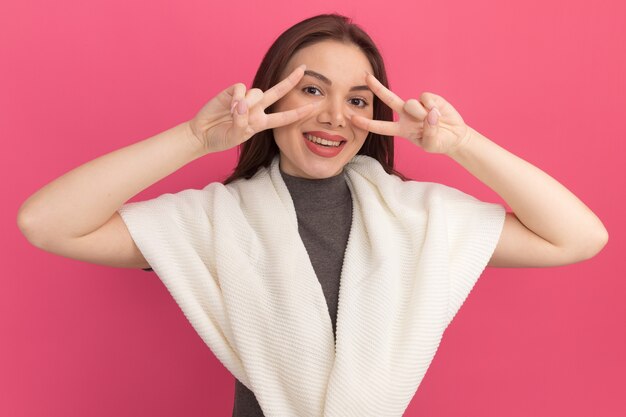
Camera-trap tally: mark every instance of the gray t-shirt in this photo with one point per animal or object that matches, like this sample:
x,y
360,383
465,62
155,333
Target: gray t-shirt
x,y
324,211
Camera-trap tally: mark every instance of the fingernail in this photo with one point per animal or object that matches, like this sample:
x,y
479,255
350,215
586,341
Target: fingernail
x,y
232,108
242,107
433,117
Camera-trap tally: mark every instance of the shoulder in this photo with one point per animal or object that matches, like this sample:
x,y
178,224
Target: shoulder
x,y
366,170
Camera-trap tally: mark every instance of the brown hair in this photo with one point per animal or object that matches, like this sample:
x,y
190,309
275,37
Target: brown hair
x,y
260,149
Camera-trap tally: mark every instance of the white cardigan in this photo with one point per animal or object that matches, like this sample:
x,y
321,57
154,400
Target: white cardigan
x,y
233,260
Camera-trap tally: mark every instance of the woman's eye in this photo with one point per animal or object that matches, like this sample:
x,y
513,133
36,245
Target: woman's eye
x,y
311,90
359,102
356,101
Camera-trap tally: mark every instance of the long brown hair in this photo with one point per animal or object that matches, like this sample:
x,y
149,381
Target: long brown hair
x,y
260,149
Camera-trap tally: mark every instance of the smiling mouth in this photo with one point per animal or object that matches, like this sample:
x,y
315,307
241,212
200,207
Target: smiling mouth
x,y
323,142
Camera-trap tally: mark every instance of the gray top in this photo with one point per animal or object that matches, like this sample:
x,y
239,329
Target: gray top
x,y
324,211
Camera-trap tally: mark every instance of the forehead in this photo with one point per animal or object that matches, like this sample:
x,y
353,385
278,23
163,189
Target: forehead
x,y
341,62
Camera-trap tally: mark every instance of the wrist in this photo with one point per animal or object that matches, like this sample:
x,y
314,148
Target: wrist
x,y
464,144
193,139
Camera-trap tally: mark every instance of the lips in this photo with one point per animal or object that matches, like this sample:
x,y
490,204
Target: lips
x,y
327,136
324,151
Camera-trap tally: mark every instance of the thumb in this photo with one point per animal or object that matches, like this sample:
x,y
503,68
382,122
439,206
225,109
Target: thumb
x,y
431,127
240,120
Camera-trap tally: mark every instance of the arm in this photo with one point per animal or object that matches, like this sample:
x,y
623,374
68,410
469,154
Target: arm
x,y
76,214
549,225
83,199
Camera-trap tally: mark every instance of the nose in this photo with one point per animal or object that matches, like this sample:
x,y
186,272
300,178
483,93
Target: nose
x,y
333,112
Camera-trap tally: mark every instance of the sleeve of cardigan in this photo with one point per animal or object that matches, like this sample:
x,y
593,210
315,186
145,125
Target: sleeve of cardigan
x,y
473,230
171,230
176,235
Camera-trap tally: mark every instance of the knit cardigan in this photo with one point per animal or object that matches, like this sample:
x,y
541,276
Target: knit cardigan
x,y
231,257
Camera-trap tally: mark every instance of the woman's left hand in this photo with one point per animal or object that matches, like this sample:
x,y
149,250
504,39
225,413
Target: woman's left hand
x,y
431,123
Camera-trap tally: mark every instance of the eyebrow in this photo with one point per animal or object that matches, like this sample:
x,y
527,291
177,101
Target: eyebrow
x,y
329,82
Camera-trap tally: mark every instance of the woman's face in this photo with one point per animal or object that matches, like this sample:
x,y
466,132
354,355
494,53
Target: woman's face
x,y
334,77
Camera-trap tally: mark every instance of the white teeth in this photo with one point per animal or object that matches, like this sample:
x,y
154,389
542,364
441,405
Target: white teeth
x,y
322,141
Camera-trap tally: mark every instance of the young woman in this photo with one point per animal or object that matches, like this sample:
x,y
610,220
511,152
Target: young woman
x,y
321,277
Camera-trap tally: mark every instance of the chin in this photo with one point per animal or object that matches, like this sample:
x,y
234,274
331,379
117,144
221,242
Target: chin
x,y
302,159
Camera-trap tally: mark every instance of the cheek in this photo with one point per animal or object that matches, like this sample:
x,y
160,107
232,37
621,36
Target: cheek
x,y
282,135
279,133
368,113
287,102
363,135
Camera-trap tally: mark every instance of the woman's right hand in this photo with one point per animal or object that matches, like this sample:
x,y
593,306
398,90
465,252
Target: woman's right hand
x,y
234,115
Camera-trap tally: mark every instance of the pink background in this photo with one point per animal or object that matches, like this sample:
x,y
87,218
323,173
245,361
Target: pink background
x,y
544,79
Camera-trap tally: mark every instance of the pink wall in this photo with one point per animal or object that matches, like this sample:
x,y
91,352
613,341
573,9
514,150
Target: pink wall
x,y
544,79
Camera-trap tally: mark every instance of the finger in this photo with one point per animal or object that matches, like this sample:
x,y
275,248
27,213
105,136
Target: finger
x,y
386,95
273,94
225,97
289,116
431,130
377,126
430,100
239,91
253,96
240,119
433,116
415,109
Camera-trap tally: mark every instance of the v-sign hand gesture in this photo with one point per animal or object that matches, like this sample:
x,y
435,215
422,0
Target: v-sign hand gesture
x,y
234,115
431,123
